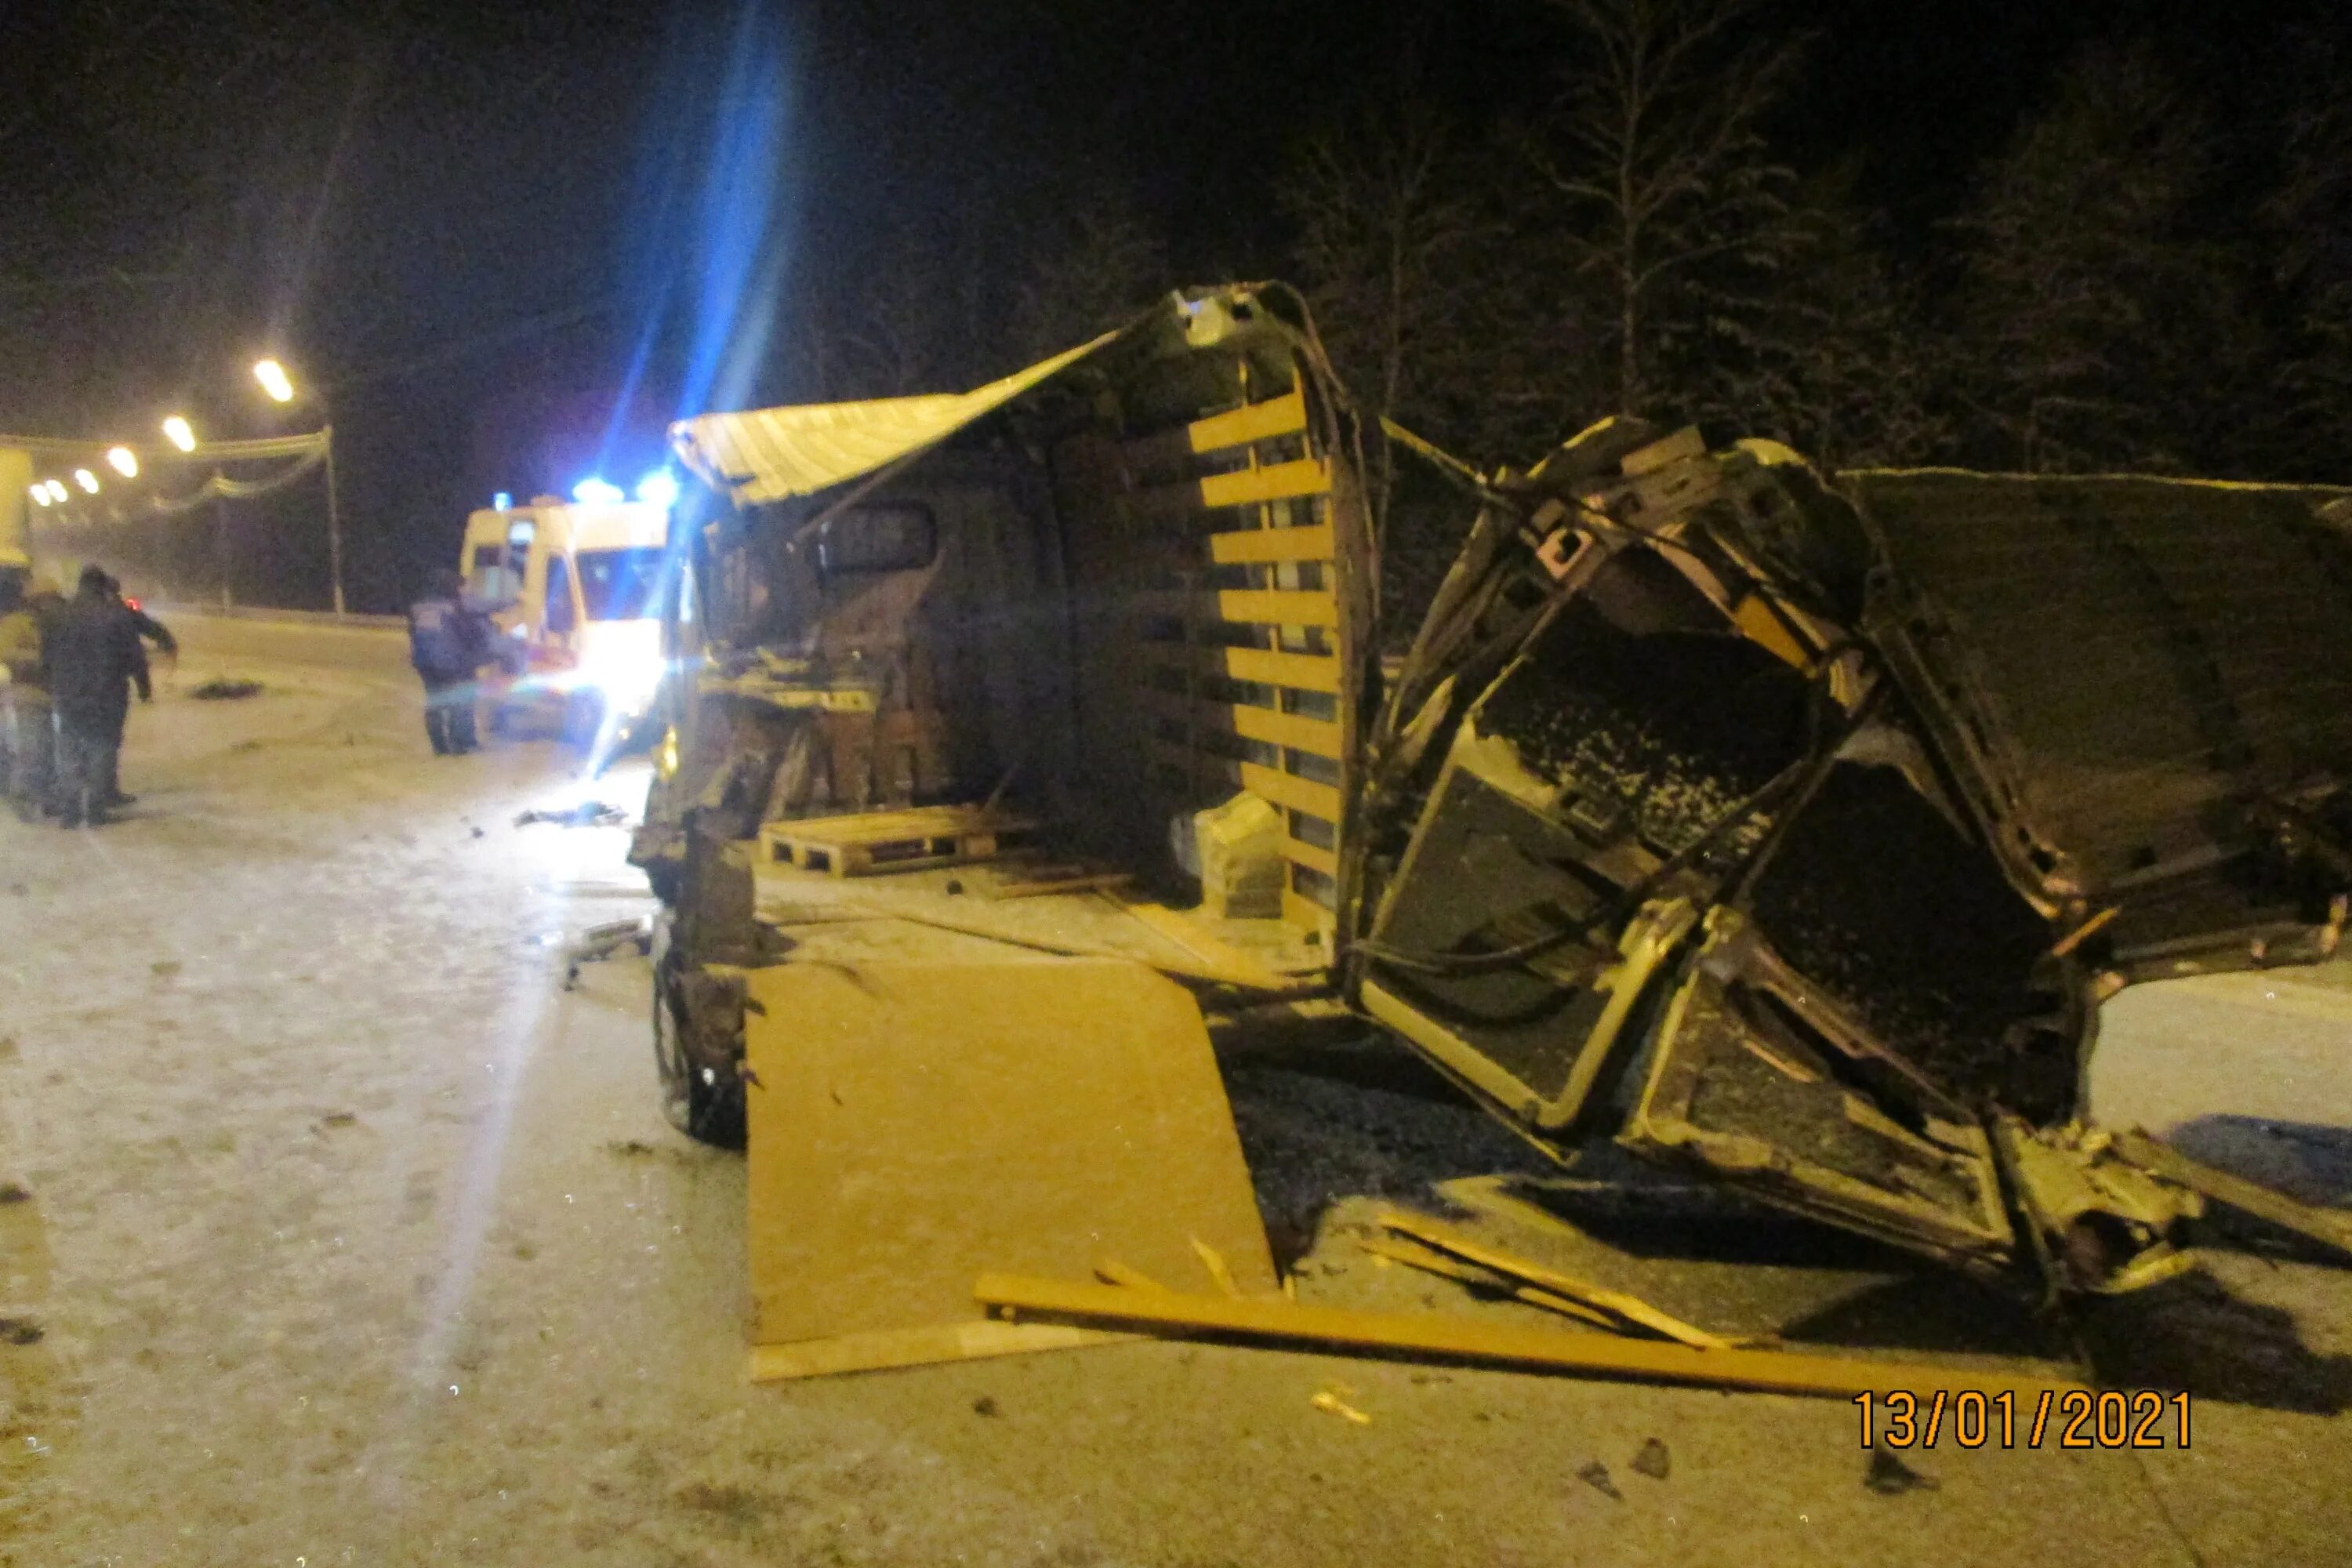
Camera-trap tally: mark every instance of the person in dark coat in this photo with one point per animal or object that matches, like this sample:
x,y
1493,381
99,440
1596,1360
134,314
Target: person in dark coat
x,y
94,657
447,641
150,630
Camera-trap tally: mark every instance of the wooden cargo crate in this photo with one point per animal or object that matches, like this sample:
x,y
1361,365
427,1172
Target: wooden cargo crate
x,y
871,843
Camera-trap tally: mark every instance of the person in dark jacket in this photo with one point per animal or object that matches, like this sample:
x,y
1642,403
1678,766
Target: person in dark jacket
x,y
447,642
149,629
94,658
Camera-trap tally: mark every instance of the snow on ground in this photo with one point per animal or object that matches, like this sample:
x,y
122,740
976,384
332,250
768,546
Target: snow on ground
x,y
352,1239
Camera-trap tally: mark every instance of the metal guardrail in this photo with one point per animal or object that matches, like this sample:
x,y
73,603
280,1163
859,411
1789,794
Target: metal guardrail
x,y
261,614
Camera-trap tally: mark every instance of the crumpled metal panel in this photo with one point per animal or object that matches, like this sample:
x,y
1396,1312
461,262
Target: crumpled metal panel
x,y
773,454
2137,652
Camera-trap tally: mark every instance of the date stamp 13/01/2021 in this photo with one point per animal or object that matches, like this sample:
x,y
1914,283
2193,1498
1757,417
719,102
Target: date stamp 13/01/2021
x,y
2073,1418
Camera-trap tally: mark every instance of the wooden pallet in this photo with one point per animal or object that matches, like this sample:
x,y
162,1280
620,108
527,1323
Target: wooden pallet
x,y
871,843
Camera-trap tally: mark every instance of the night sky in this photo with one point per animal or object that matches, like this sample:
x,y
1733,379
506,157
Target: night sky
x,y
485,233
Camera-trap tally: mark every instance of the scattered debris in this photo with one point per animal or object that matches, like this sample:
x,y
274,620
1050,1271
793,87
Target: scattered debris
x,y
602,942
1889,1476
1112,1271
985,1405
1596,1475
477,833
587,813
19,1332
1213,1261
1035,880
1429,1260
1632,1309
340,1119
1652,1461
632,1148
15,1193
221,688
1330,1404
165,968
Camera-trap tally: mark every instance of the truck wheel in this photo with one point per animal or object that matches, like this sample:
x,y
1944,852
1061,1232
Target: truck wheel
x,y
703,1104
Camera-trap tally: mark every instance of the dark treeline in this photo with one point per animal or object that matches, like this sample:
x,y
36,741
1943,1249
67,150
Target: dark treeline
x,y
2152,271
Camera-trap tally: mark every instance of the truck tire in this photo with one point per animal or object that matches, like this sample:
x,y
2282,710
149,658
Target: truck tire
x,y
699,1102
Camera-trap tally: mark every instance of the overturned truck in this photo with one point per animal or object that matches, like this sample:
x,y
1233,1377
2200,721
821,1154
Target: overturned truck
x,y
1786,825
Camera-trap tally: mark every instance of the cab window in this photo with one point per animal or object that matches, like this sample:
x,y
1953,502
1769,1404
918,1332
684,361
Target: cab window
x,y
559,595
877,539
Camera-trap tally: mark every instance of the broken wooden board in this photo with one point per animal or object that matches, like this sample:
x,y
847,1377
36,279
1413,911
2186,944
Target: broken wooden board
x,y
924,1346
1275,1318
1632,1309
912,1124
1429,1260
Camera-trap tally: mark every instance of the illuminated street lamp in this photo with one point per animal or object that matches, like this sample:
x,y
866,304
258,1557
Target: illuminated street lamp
x,y
87,480
123,461
280,385
57,489
41,494
180,433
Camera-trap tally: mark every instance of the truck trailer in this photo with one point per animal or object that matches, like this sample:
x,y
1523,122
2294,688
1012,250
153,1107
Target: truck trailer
x,y
1788,826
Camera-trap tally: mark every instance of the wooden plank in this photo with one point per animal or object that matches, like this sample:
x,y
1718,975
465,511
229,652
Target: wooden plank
x,y
1632,1309
1252,422
1243,487
1428,1259
1082,882
926,1346
1304,912
896,1114
885,827
1313,857
1275,481
1255,606
1289,789
1260,667
1213,951
1278,607
1318,737
1455,1337
1250,546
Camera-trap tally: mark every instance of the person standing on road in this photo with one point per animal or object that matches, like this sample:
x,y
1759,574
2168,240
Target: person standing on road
x,y
26,734
447,641
149,629
94,658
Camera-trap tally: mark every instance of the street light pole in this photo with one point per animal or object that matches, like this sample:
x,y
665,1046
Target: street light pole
x,y
334,522
220,546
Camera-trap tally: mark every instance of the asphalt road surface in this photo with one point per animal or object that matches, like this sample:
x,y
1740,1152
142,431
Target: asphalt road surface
x,y
347,1235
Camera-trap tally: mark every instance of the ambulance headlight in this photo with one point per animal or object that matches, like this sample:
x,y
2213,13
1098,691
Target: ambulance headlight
x,y
627,679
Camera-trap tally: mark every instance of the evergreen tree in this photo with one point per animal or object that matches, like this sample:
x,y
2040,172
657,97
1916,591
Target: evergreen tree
x,y
2104,323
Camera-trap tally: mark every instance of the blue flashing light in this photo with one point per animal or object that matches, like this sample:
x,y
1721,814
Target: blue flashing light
x,y
595,492
659,488
502,501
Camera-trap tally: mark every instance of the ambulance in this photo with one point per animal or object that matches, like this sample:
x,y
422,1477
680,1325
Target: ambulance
x,y
574,589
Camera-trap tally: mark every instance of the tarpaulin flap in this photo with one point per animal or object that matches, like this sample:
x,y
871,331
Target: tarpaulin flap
x,y
772,454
